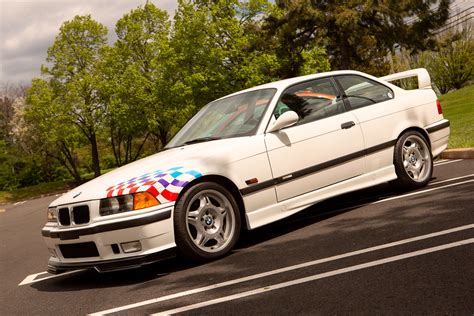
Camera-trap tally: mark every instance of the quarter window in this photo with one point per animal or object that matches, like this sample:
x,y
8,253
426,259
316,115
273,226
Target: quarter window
x,y
362,91
311,100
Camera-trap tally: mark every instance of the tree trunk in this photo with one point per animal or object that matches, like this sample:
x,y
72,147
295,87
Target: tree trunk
x,y
140,148
116,151
71,168
128,149
345,60
95,155
163,137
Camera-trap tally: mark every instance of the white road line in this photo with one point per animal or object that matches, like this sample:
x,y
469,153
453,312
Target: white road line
x,y
452,179
317,277
282,270
448,162
19,203
29,280
439,161
399,196
419,192
32,278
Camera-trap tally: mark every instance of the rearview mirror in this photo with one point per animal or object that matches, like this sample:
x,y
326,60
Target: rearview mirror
x,y
286,119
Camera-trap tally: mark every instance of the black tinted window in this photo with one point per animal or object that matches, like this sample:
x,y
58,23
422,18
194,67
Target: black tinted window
x,y
362,91
311,100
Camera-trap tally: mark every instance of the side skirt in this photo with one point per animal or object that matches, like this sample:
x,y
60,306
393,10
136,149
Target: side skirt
x,y
291,206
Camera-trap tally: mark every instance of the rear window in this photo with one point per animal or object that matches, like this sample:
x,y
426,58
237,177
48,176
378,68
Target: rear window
x,y
362,91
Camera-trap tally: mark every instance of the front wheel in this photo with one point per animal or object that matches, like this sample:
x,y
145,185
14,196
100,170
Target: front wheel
x,y
413,161
206,221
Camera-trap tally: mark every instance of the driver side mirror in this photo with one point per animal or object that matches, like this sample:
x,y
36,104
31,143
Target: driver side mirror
x,y
286,119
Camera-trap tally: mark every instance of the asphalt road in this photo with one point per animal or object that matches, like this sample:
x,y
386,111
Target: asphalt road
x,y
371,251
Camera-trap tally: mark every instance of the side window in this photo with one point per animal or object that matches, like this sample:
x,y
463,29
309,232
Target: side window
x,y
362,91
311,100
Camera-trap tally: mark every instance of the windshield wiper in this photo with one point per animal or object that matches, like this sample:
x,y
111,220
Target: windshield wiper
x,y
201,140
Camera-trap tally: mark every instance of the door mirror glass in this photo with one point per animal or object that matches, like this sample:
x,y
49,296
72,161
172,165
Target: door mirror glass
x,y
286,119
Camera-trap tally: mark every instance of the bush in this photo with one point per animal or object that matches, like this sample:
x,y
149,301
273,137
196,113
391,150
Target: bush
x,y
18,172
451,65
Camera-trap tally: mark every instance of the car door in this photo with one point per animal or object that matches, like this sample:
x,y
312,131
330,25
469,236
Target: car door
x,y
324,147
379,115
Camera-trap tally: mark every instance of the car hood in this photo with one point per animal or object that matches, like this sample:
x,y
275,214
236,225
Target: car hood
x,y
199,159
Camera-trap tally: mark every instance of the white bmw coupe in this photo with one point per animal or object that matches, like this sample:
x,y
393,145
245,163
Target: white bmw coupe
x,y
246,160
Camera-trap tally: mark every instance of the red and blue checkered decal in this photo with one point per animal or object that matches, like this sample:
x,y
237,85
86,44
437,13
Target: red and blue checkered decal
x,y
165,185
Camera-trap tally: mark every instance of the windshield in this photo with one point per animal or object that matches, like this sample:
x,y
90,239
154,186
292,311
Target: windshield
x,y
233,116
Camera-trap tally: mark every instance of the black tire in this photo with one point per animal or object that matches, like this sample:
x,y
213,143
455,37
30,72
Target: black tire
x,y
413,161
206,222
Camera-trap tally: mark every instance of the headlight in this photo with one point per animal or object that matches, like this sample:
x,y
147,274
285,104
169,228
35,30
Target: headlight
x,y
52,216
125,203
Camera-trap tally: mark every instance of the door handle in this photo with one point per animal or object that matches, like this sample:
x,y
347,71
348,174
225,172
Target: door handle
x,y
347,125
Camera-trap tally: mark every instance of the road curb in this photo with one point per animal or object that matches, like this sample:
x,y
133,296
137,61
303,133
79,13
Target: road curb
x,y
458,153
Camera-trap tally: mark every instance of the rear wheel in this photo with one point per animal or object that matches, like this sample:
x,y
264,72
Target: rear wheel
x,y
207,222
413,161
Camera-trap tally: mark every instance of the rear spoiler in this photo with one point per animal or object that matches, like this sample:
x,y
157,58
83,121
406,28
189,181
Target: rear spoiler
x,y
424,80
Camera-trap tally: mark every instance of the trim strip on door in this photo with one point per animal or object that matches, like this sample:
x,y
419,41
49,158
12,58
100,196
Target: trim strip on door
x,y
316,168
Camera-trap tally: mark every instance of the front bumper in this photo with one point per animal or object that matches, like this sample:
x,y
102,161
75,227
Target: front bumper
x,y
55,267
100,245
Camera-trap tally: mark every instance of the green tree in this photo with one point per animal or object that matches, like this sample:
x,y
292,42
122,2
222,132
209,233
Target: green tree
x,y
130,76
143,93
48,127
74,77
18,165
206,55
6,115
8,174
357,34
450,63
220,57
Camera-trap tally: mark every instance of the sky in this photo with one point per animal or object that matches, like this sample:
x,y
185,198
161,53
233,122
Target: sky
x,y
28,28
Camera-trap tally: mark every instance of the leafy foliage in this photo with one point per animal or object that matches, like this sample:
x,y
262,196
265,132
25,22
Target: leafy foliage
x,y
357,34
450,63
219,58
19,166
74,77
100,106
50,130
129,76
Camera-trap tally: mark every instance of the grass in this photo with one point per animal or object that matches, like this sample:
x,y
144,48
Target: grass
x,y
458,108
41,189
35,191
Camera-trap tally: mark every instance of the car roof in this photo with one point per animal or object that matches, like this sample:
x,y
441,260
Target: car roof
x,y
281,84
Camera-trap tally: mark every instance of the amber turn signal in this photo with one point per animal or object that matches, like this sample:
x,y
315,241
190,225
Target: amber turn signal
x,y
144,200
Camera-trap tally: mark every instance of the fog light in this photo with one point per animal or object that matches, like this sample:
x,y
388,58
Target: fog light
x,y
132,246
52,252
